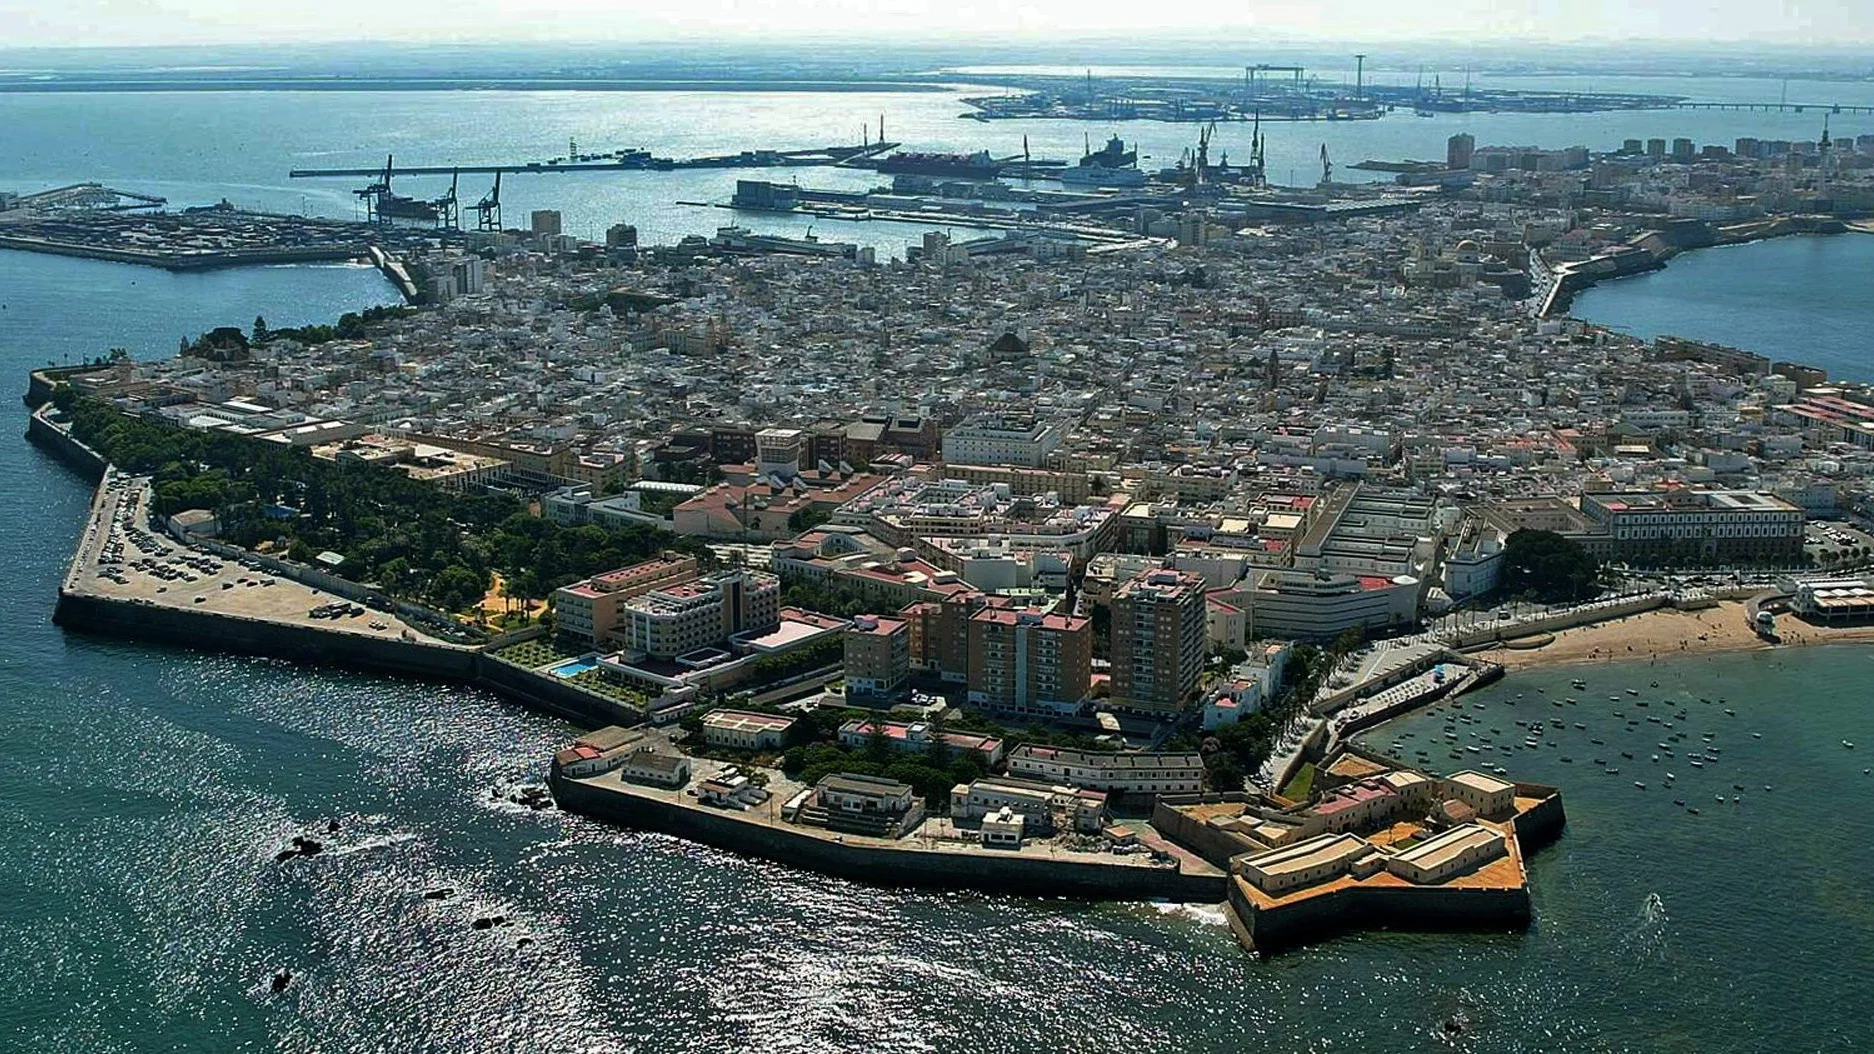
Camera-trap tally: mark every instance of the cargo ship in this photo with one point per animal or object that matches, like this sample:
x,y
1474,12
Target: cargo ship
x,y
978,165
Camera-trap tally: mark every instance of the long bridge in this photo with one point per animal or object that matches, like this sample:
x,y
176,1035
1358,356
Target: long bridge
x,y
1775,107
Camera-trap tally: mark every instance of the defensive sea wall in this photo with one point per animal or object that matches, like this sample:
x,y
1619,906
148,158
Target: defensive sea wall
x,y
1650,252
1215,846
1542,823
457,664
1442,908
61,444
252,636
897,865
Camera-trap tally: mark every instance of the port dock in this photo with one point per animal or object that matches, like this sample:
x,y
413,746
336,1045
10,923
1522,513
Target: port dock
x,y
625,161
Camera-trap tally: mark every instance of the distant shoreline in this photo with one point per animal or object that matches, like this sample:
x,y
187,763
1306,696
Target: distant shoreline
x,y
464,84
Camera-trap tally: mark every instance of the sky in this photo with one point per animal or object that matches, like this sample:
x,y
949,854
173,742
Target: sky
x,y
137,22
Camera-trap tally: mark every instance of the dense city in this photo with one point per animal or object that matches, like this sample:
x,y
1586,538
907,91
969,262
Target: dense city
x,y
1068,559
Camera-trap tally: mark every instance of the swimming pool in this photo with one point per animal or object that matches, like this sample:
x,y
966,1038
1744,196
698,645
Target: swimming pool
x,y
573,668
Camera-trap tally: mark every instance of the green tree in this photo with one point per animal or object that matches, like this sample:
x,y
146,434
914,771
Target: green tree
x,y
1547,567
457,587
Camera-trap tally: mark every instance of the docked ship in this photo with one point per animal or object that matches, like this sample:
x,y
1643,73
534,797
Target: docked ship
x,y
741,240
1111,166
978,165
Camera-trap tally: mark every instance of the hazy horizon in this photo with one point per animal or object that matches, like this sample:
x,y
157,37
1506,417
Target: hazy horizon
x,y
1831,24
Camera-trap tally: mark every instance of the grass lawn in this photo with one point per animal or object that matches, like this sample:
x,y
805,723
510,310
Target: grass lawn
x,y
596,681
1303,781
533,654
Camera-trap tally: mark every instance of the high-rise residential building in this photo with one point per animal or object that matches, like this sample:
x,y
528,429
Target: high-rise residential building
x,y
1656,148
545,221
1158,641
1458,150
878,657
621,236
940,634
1684,149
1024,662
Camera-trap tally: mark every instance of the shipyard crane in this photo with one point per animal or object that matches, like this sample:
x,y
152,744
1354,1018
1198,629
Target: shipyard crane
x,y
373,193
1327,167
488,209
1257,158
447,206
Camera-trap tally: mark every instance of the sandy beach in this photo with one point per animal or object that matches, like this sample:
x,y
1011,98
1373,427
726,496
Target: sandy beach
x,y
1664,633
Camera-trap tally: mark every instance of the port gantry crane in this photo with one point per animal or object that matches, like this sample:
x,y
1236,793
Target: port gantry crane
x,y
488,209
447,207
384,205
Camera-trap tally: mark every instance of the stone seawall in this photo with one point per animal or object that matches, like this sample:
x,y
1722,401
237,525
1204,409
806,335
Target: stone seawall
x,y
171,261
247,636
1542,824
1216,847
422,659
548,693
59,443
1393,908
897,866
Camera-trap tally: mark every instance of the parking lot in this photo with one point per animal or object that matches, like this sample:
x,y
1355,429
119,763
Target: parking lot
x,y
122,556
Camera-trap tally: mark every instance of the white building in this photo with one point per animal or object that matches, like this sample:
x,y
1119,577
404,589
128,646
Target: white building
x,y
1475,564
671,620
1124,773
1002,829
655,768
1323,605
745,729
991,440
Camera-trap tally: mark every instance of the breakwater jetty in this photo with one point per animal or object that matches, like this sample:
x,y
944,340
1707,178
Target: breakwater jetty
x,y
205,239
622,161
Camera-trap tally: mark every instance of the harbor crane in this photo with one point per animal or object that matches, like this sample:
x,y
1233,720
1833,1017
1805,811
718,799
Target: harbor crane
x,y
448,208
1327,167
1258,159
385,206
488,209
